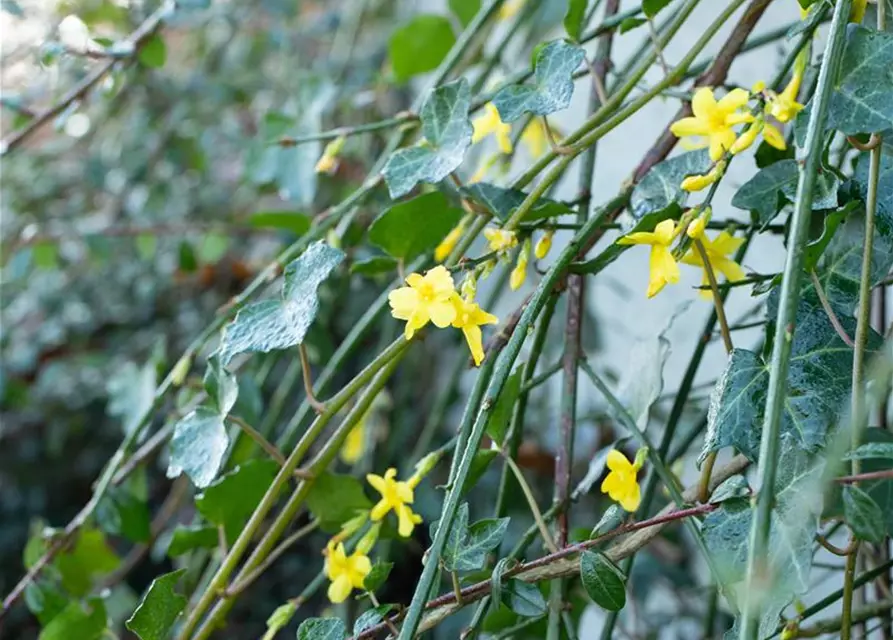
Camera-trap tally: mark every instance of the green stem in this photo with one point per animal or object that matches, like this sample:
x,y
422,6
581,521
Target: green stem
x,y
787,317
345,132
531,501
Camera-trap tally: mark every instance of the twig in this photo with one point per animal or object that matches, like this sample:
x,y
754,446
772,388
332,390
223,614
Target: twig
x,y
833,548
534,509
255,435
238,587
868,475
829,311
872,143
318,406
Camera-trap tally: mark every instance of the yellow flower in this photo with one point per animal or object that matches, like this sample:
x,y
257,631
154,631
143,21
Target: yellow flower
x,y
426,298
518,275
663,268
543,245
347,572
784,106
355,443
696,227
712,123
699,183
490,124
328,162
718,252
446,246
773,137
396,495
534,138
500,240
621,484
857,11
469,318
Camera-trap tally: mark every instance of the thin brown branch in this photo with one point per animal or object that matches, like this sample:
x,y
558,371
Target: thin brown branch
x,y
307,374
832,316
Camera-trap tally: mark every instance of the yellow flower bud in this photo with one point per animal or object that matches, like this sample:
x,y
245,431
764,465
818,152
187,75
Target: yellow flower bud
x,y
790,631
773,137
758,87
698,183
469,286
446,246
543,245
178,373
746,139
369,539
328,162
696,228
857,11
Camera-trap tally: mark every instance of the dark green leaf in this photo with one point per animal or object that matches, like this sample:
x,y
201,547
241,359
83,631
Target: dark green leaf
x,y
603,580
817,11
377,576
231,500
221,386
496,580
465,10
501,416
612,518
523,598
198,446
420,45
885,175
553,84
447,131
652,7
159,608
502,202
467,547
768,191
322,629
279,324
574,17
370,618
457,535
335,499
188,537
479,464
629,24
862,100
153,52
660,187
75,622
411,228
816,248
187,260
297,223
374,266
733,488
90,557
863,514
45,599
121,513
871,450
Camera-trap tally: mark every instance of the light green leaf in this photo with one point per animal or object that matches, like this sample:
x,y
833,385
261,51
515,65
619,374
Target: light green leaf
x,y
465,10
45,599
863,514
371,617
90,557
629,24
501,416
46,255
377,576
553,84
651,7
188,537
146,245
467,547
197,446
502,202
734,488
131,393
159,609
862,100
231,500
871,450
574,17
447,131
411,228
660,187
212,248
768,191
374,266
279,324
75,622
153,52
523,598
221,386
420,45
297,223
335,499
603,580
322,629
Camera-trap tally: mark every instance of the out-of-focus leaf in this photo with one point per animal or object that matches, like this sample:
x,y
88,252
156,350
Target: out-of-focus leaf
x,y
377,576
501,416
871,450
159,609
153,52
465,10
503,202
479,465
90,557
231,500
628,24
78,622
186,538
335,499
131,394
651,7
420,45
297,223
863,515
574,17
121,513
374,266
409,229
279,618
197,447
221,386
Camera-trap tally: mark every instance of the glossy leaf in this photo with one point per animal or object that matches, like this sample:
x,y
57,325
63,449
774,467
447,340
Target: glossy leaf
x,y
279,324
77,621
447,134
131,393
420,45
411,228
322,629
221,386
371,617
188,537
159,609
773,186
603,580
863,515
523,598
376,578
501,417
198,446
335,499
467,546
231,500
553,84
502,202
660,187
863,97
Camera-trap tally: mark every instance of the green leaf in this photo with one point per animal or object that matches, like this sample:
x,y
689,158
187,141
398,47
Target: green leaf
x,y
574,17
465,10
198,446
871,450
221,386
146,245
279,618
629,24
45,599
603,580
885,176
660,187
159,608
612,518
212,248
279,324
467,547
553,84
409,229
231,500
121,513
77,623
420,45
46,255
131,394
188,537
501,416
768,191
734,488
371,617
862,100
153,52
816,13
335,499
374,265
479,465
293,221
447,132
651,7
523,598
816,249
322,629
377,576
90,557
863,514
502,202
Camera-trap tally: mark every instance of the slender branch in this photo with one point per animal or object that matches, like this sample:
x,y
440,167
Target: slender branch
x,y
255,435
883,474
307,375
833,548
531,501
829,310
345,132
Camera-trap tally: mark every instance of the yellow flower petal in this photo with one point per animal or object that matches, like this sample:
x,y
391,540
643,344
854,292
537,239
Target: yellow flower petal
x,y
703,104
340,589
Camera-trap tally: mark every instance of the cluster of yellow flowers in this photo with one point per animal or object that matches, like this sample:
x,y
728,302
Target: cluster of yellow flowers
x,y
433,298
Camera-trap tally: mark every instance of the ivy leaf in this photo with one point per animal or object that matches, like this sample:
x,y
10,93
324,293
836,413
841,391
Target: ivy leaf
x,y
885,175
863,514
46,600
74,621
322,629
374,266
377,576
734,488
660,187
816,249
768,191
188,537
221,386
553,84
131,393
467,547
279,324
198,446
465,10
371,617
231,500
501,416
631,23
335,499
447,131
420,45
862,100
502,202
90,557
573,18
159,609
523,598
735,411
409,229
603,580
871,450
651,7
612,518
